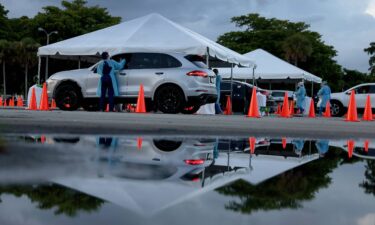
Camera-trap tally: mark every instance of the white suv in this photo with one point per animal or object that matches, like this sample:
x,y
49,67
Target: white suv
x,y
172,82
340,101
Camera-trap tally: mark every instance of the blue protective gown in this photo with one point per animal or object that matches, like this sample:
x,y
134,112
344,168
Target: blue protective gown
x,y
325,94
300,95
115,66
322,146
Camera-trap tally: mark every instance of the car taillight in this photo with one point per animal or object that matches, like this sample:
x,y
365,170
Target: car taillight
x,y
197,73
194,161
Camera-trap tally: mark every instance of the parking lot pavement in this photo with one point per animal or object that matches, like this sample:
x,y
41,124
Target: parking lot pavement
x,y
80,122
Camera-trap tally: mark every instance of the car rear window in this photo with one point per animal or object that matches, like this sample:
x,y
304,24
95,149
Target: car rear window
x,y
197,60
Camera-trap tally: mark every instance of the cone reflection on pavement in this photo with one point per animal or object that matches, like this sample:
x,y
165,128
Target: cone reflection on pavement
x,y
350,148
312,109
352,115
253,109
141,106
283,141
44,99
327,113
139,143
366,145
228,107
32,103
285,112
367,115
252,141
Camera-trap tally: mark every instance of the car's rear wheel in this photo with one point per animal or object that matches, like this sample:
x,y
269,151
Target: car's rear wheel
x,y
337,109
190,109
170,99
68,97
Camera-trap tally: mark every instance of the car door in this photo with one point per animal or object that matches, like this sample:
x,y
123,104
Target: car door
x,y
122,75
372,95
92,82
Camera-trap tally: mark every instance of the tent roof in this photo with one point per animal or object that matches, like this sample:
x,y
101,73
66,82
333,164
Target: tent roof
x,y
270,67
151,33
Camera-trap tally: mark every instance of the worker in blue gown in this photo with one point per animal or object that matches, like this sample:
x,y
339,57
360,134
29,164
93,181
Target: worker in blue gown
x,y
325,95
300,95
108,82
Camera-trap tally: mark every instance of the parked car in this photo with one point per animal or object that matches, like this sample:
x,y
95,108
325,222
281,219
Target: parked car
x,y
278,95
172,82
340,101
241,96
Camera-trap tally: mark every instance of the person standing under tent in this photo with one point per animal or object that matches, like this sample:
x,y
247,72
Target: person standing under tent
x,y
218,89
325,95
108,81
300,95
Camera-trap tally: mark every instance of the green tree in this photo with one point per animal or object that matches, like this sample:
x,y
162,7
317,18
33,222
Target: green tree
x,y
369,183
5,49
297,48
272,34
4,25
371,51
354,77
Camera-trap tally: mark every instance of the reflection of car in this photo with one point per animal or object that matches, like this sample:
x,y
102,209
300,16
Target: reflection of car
x,y
171,83
241,95
278,95
340,101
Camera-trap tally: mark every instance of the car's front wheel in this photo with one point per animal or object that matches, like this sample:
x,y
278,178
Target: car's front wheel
x,y
337,109
68,97
170,99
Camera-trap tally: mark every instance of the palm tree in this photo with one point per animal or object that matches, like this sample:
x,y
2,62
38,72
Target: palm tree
x,y
26,55
4,50
297,48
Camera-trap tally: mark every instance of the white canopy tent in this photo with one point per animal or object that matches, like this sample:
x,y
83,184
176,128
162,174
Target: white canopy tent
x,y
151,33
269,67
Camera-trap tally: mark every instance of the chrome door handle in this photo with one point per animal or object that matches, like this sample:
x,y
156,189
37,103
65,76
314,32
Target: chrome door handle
x,y
159,73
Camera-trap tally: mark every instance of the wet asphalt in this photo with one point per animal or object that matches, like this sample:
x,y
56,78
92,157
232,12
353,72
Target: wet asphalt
x,y
81,122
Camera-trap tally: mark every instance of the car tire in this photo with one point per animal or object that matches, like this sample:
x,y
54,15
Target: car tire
x,y
170,99
68,97
167,145
190,109
337,109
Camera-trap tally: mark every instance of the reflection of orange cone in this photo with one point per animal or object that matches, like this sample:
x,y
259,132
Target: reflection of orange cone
x,y
283,141
291,109
312,109
141,106
367,143
19,101
228,107
53,104
285,109
44,99
32,103
367,115
253,109
43,139
139,143
352,109
350,148
327,113
252,141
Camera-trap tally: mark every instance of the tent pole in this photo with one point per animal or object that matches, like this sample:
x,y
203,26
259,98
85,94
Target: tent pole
x,y
231,85
39,64
312,89
79,62
254,67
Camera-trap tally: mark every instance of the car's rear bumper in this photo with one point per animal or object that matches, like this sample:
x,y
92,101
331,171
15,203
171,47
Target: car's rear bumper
x,y
202,99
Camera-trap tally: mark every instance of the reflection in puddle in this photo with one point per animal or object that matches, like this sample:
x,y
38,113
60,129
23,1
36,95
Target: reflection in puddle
x,y
153,175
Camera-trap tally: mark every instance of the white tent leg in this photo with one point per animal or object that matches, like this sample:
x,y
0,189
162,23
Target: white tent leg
x,y
79,62
231,86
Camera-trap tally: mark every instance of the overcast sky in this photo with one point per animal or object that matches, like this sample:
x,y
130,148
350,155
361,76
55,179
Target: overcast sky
x,y
348,25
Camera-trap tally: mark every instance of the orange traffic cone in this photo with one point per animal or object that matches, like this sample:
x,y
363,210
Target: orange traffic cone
x,y
5,103
350,148
139,143
367,115
11,102
367,143
107,109
352,115
252,141
32,103
19,101
283,141
141,106
278,111
228,107
253,109
43,106
1,101
53,104
291,109
285,112
312,109
327,113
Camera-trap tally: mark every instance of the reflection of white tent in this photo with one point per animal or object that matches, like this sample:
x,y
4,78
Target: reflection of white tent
x,y
151,33
269,67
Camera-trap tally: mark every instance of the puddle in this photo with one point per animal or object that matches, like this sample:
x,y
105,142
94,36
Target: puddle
x,y
65,179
